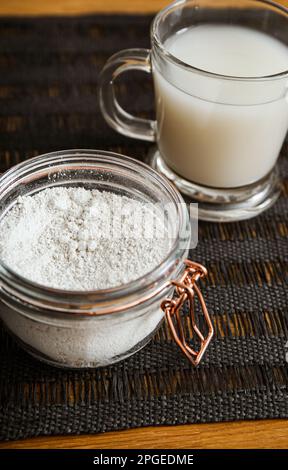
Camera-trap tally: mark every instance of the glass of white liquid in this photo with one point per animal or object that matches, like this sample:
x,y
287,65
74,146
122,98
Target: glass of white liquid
x,y
220,72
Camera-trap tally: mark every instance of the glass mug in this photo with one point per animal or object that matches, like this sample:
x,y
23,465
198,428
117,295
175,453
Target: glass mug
x,y
218,137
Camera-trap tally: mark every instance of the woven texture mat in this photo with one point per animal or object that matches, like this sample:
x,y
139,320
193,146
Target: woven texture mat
x,y
48,101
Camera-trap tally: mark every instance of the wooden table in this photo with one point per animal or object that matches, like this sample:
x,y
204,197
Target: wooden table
x,y
253,434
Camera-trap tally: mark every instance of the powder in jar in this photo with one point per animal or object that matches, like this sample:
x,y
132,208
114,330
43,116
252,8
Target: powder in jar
x,y
79,239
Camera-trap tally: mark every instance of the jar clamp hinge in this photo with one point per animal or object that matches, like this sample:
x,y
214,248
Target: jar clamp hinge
x,y
185,289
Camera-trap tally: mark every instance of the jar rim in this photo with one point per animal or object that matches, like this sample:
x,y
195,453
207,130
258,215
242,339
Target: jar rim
x,y
91,302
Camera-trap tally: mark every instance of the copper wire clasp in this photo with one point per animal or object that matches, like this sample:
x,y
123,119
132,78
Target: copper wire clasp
x,y
185,289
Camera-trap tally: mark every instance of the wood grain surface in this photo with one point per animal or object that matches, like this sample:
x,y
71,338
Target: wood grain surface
x,y
75,7
253,434
239,435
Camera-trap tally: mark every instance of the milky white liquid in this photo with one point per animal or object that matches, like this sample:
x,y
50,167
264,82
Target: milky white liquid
x,y
216,132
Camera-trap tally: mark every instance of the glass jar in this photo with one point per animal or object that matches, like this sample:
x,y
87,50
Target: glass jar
x,y
97,328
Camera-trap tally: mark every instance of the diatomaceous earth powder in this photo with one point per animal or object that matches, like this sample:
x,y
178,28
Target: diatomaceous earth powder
x,y
79,239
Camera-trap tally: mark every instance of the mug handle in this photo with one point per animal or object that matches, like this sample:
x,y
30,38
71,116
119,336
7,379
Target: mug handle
x,y
113,113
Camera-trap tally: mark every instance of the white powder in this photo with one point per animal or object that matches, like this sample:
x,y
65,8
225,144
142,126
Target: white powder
x,y
78,239
87,342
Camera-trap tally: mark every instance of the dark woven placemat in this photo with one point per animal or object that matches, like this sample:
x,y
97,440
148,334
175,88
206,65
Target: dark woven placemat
x,y
48,101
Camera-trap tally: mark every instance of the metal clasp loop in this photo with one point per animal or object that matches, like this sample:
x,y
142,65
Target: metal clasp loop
x,y
185,289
